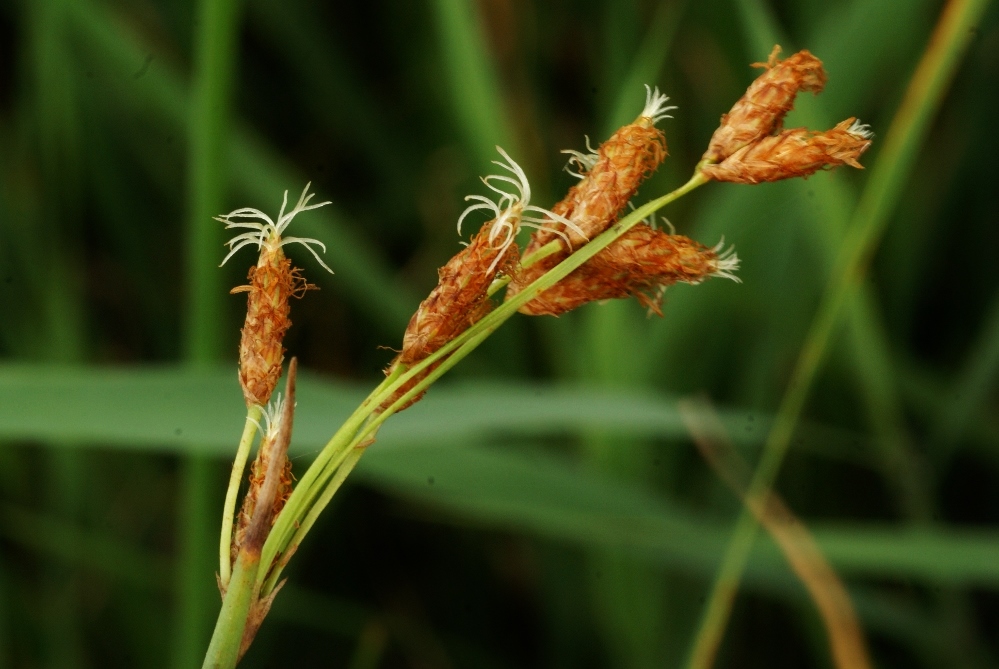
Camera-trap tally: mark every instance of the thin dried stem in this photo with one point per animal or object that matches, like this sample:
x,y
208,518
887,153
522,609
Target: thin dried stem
x,y
846,636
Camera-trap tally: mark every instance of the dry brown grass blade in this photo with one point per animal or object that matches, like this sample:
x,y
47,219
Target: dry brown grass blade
x,y
846,638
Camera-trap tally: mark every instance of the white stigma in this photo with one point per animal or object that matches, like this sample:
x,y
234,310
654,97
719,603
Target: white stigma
x,y
273,416
265,232
584,161
509,211
860,130
726,262
655,105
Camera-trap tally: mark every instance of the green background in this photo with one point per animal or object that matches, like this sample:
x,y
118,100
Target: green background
x,y
543,506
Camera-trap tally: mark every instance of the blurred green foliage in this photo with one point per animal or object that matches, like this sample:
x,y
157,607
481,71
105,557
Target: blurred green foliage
x,y
543,507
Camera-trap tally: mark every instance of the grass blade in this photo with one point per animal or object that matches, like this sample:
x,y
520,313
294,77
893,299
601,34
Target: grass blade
x,y
846,638
475,89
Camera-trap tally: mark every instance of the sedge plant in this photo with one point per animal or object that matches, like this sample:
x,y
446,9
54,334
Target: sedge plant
x,y
582,249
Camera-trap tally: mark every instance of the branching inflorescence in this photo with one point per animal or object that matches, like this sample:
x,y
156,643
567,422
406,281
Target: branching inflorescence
x,y
751,146
643,261
580,251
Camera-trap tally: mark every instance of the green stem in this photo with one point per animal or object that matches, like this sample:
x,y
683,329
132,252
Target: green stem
x,y
313,481
223,651
346,466
232,492
366,420
907,131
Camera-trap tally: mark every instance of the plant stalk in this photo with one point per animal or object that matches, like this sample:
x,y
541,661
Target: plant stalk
x,y
223,651
235,478
242,607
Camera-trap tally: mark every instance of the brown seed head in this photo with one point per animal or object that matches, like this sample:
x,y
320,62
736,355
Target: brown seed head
x,y
459,301
794,153
643,262
622,163
761,111
609,178
272,281
461,297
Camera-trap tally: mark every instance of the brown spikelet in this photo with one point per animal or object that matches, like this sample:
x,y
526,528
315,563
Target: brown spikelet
x,y
794,153
458,302
761,110
272,282
621,164
642,262
272,460
258,474
460,298
270,486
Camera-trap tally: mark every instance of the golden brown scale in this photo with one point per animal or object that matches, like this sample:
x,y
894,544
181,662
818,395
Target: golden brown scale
x,y
642,262
459,301
761,111
623,162
793,153
272,282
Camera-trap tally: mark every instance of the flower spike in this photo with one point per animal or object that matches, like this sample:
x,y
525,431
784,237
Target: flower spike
x,y
461,297
612,175
272,282
794,153
643,262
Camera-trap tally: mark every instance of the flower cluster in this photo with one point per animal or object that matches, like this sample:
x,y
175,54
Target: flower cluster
x,y
636,260
761,110
751,146
645,260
